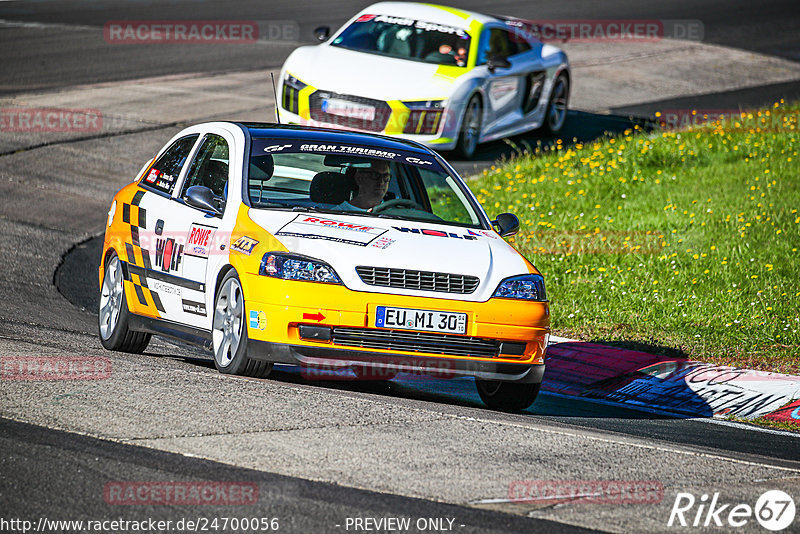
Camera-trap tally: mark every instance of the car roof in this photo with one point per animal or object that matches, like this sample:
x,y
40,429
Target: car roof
x,y
450,16
328,135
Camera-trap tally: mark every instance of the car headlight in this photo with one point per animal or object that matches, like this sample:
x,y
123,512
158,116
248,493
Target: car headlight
x,y
293,267
524,287
430,105
424,116
290,94
293,82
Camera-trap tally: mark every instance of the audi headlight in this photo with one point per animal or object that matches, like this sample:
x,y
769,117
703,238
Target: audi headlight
x,y
293,267
293,82
430,105
524,287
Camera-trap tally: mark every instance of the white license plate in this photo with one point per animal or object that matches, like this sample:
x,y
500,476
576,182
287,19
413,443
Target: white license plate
x,y
424,320
343,108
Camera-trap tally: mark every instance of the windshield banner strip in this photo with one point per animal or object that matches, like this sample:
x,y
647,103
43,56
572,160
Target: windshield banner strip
x,y
273,146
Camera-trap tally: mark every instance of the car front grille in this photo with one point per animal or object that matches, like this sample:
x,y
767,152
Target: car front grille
x,y
382,111
427,342
419,280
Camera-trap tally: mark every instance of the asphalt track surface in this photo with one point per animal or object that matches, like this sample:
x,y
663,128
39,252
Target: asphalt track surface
x,y
70,55
46,472
78,466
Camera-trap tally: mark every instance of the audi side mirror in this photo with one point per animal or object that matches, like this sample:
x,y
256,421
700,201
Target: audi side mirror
x,y
322,33
495,62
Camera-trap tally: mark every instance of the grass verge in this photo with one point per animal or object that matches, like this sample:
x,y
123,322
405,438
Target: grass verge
x,y
680,242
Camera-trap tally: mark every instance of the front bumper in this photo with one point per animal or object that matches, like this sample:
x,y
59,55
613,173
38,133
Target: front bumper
x,y
517,330
322,362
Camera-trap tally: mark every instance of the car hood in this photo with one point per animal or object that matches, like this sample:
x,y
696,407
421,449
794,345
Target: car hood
x,y
368,75
347,241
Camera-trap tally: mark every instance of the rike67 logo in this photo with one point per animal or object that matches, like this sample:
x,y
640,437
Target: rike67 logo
x,y
774,510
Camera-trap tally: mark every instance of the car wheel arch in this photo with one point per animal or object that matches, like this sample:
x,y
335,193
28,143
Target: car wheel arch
x,y
221,276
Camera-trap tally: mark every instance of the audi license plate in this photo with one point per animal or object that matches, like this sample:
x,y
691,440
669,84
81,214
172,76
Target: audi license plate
x,y
343,108
425,320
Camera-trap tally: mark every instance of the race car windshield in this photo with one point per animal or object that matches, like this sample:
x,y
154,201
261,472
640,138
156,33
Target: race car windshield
x,y
404,38
372,182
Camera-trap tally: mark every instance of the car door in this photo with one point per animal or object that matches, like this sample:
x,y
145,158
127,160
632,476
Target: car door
x,y
511,93
196,229
155,292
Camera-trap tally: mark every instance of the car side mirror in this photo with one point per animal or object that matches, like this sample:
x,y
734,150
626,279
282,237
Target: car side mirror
x,y
201,197
322,33
506,224
495,62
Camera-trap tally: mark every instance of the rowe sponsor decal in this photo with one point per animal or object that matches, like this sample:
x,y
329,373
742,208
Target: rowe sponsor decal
x,y
331,230
168,254
199,242
469,236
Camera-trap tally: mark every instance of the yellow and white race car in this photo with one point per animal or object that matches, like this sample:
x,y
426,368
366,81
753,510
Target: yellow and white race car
x,y
444,77
321,248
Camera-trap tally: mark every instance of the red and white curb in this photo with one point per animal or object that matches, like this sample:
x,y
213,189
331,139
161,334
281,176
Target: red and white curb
x,y
682,387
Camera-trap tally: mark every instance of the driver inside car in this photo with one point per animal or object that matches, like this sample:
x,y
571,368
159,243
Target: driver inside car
x,y
372,183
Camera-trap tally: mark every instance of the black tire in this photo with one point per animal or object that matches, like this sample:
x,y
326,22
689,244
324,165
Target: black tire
x,y
557,106
507,396
113,314
230,354
470,130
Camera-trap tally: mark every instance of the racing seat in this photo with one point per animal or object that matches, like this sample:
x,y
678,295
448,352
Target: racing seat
x,y
331,188
261,169
216,176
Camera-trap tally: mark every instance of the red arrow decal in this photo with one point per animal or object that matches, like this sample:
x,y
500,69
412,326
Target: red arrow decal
x,y
314,316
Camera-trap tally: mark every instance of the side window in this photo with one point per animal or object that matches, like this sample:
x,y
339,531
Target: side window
x,y
499,42
210,166
165,171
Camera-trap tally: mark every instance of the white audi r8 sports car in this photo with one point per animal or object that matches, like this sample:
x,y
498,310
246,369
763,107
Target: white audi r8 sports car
x,y
444,77
324,249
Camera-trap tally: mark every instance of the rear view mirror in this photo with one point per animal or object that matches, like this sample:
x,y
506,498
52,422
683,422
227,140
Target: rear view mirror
x,y
506,224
